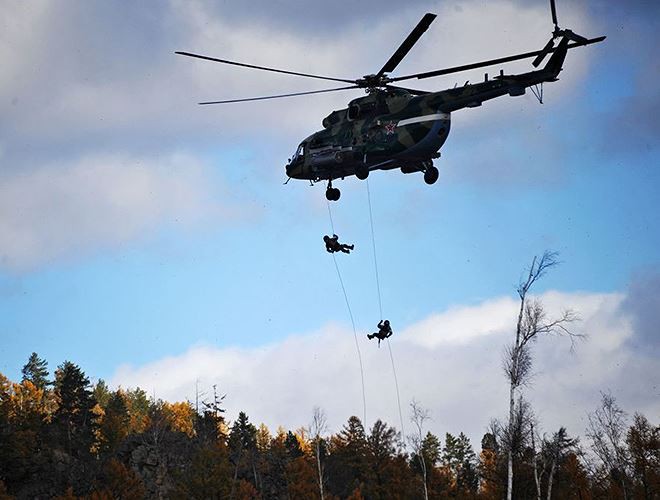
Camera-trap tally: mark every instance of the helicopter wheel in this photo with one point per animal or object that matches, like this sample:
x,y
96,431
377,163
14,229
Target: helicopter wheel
x,y
332,194
362,173
431,175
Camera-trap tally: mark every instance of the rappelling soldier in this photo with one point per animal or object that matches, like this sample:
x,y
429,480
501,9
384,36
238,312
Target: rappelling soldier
x,y
384,331
332,245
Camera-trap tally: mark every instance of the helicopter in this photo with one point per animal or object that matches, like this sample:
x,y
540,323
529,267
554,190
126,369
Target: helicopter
x,y
395,127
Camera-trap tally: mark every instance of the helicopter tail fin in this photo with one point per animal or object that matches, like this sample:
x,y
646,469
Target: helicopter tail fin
x,y
556,61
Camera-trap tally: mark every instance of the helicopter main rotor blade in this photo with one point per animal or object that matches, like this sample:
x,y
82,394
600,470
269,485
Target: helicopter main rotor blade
x,y
407,44
491,62
553,9
275,70
280,95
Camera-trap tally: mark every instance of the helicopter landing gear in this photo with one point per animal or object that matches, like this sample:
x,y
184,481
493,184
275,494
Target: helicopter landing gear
x,y
431,174
332,194
362,172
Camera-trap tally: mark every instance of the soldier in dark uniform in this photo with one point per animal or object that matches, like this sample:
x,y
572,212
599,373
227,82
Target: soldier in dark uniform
x,y
332,245
384,331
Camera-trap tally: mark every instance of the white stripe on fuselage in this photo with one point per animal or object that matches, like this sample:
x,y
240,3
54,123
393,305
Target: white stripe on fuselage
x,y
424,118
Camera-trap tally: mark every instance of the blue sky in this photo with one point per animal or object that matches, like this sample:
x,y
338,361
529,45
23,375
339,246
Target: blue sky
x,y
138,228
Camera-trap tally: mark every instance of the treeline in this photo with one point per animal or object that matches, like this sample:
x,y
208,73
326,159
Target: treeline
x,y
67,439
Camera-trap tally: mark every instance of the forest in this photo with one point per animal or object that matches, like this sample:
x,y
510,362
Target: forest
x,y
67,438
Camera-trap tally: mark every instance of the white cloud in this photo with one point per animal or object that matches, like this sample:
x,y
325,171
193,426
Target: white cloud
x,y
56,210
462,325
450,362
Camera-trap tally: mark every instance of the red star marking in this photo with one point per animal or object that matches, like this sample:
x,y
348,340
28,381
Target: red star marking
x,y
389,128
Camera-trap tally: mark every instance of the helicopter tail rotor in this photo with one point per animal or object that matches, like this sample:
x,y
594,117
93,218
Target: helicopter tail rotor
x,y
557,33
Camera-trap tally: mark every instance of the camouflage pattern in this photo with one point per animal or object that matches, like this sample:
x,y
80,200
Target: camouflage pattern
x,y
394,128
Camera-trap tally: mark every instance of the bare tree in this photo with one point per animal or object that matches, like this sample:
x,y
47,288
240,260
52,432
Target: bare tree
x,y
516,435
215,406
538,477
416,440
553,452
318,427
606,430
532,323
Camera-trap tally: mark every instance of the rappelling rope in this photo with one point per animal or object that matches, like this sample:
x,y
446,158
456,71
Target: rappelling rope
x,y
373,246
380,305
350,313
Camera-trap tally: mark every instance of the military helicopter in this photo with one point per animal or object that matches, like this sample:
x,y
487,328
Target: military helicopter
x,y
394,127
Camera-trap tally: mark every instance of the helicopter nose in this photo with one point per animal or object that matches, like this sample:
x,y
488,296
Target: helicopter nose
x,y
293,169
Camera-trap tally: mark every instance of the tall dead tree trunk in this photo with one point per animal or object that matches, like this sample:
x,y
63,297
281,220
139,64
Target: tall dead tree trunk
x,y
509,480
531,323
317,428
418,417
537,477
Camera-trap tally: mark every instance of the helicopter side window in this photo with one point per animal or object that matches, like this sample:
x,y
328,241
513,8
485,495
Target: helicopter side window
x,y
353,111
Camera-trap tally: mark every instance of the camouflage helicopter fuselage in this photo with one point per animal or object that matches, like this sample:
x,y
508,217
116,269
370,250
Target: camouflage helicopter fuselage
x,y
383,130
393,128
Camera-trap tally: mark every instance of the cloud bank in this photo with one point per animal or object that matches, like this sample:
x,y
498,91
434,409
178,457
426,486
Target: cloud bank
x,y
450,362
58,210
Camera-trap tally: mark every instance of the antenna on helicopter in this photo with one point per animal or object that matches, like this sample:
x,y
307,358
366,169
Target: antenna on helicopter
x,y
556,33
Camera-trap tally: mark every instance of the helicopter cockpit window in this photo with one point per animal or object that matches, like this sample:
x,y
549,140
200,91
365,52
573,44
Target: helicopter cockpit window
x,y
353,111
299,152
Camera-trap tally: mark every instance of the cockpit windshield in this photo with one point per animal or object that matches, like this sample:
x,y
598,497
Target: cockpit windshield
x,y
299,152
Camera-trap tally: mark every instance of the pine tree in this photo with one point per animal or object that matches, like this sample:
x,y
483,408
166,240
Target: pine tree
x,y
114,427
348,463
243,450
101,393
293,446
36,371
208,476
460,458
491,481
139,408
382,445
431,449
73,423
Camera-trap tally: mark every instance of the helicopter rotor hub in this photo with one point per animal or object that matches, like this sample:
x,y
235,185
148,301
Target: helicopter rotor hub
x,y
373,81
